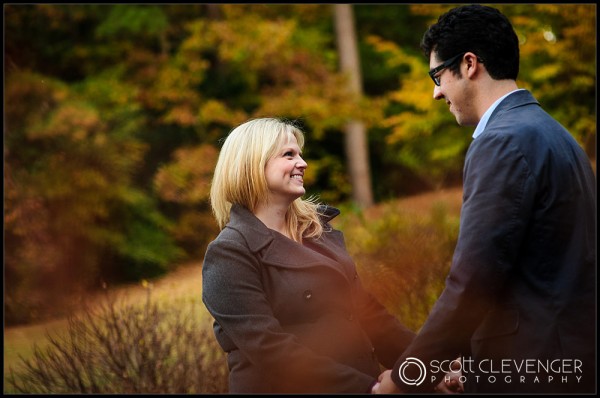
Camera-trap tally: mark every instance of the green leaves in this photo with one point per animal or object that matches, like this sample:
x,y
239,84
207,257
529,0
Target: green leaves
x,y
133,20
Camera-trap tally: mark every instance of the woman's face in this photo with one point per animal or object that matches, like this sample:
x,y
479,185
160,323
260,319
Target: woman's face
x,y
285,173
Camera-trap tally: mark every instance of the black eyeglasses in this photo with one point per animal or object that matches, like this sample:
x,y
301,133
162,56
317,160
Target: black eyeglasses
x,y
433,72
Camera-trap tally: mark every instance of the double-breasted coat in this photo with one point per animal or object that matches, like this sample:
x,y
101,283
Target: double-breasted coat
x,y
294,317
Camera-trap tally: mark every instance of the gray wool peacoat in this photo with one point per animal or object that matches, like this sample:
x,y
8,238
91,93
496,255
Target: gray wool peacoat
x,y
294,318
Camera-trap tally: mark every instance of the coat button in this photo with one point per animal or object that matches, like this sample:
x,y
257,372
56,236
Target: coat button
x,y
307,294
355,276
350,317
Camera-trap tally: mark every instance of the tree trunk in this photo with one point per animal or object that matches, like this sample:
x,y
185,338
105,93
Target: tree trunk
x,y
357,150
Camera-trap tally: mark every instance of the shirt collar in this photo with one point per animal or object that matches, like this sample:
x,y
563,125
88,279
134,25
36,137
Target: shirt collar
x,y
486,116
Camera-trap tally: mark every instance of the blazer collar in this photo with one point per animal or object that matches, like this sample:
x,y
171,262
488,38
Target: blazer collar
x,y
514,100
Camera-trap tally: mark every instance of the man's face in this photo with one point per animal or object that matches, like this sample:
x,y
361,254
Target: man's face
x,y
455,90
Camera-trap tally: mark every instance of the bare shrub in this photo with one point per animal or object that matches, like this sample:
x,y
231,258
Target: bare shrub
x,y
119,348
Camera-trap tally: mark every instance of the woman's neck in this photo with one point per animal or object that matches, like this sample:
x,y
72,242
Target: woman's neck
x,y
273,216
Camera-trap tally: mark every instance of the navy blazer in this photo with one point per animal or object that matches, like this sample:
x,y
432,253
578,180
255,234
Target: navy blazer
x,y
293,317
521,288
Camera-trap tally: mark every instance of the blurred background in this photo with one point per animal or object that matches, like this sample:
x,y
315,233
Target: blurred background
x,y
114,115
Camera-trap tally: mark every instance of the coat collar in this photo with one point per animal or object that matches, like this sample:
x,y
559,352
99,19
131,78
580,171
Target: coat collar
x,y
256,233
275,249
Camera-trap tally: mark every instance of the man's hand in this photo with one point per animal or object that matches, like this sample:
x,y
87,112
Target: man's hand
x,y
451,383
386,385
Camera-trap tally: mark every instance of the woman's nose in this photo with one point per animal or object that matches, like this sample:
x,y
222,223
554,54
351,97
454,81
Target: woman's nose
x,y
301,164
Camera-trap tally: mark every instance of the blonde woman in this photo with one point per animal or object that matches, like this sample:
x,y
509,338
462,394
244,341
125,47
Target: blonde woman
x,y
289,308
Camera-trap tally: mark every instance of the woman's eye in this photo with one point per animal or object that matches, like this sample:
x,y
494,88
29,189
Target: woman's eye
x,y
288,153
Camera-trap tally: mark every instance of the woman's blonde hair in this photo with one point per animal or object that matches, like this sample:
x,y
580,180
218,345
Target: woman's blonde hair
x,y
240,175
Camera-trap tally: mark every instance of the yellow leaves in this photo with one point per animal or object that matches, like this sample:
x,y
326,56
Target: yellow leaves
x,y
74,120
586,15
100,140
280,65
29,97
199,37
417,93
546,72
416,89
446,152
399,131
433,10
89,179
407,126
324,103
187,178
382,45
174,91
193,229
396,55
147,285
215,111
182,115
253,40
47,111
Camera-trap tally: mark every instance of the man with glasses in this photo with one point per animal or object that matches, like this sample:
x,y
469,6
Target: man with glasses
x,y
519,304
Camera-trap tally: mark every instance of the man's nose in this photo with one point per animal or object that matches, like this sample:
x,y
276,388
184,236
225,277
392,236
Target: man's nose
x,y
437,93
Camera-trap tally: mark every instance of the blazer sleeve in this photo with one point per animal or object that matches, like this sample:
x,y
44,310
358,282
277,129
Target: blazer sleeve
x,y
233,294
498,194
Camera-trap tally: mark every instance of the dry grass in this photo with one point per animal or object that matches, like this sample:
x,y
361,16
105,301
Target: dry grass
x,y
118,347
422,204
184,283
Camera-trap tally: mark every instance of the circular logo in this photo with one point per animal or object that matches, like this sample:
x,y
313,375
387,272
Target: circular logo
x,y
415,362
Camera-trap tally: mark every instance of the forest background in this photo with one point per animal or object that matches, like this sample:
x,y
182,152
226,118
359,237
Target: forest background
x,y
114,115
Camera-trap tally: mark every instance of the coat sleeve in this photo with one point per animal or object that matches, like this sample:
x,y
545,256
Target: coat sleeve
x,y
387,334
233,294
498,194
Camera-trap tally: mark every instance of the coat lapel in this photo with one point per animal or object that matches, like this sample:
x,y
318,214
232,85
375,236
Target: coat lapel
x,y
275,249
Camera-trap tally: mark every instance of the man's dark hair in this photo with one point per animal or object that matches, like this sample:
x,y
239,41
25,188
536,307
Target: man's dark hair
x,y
482,30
